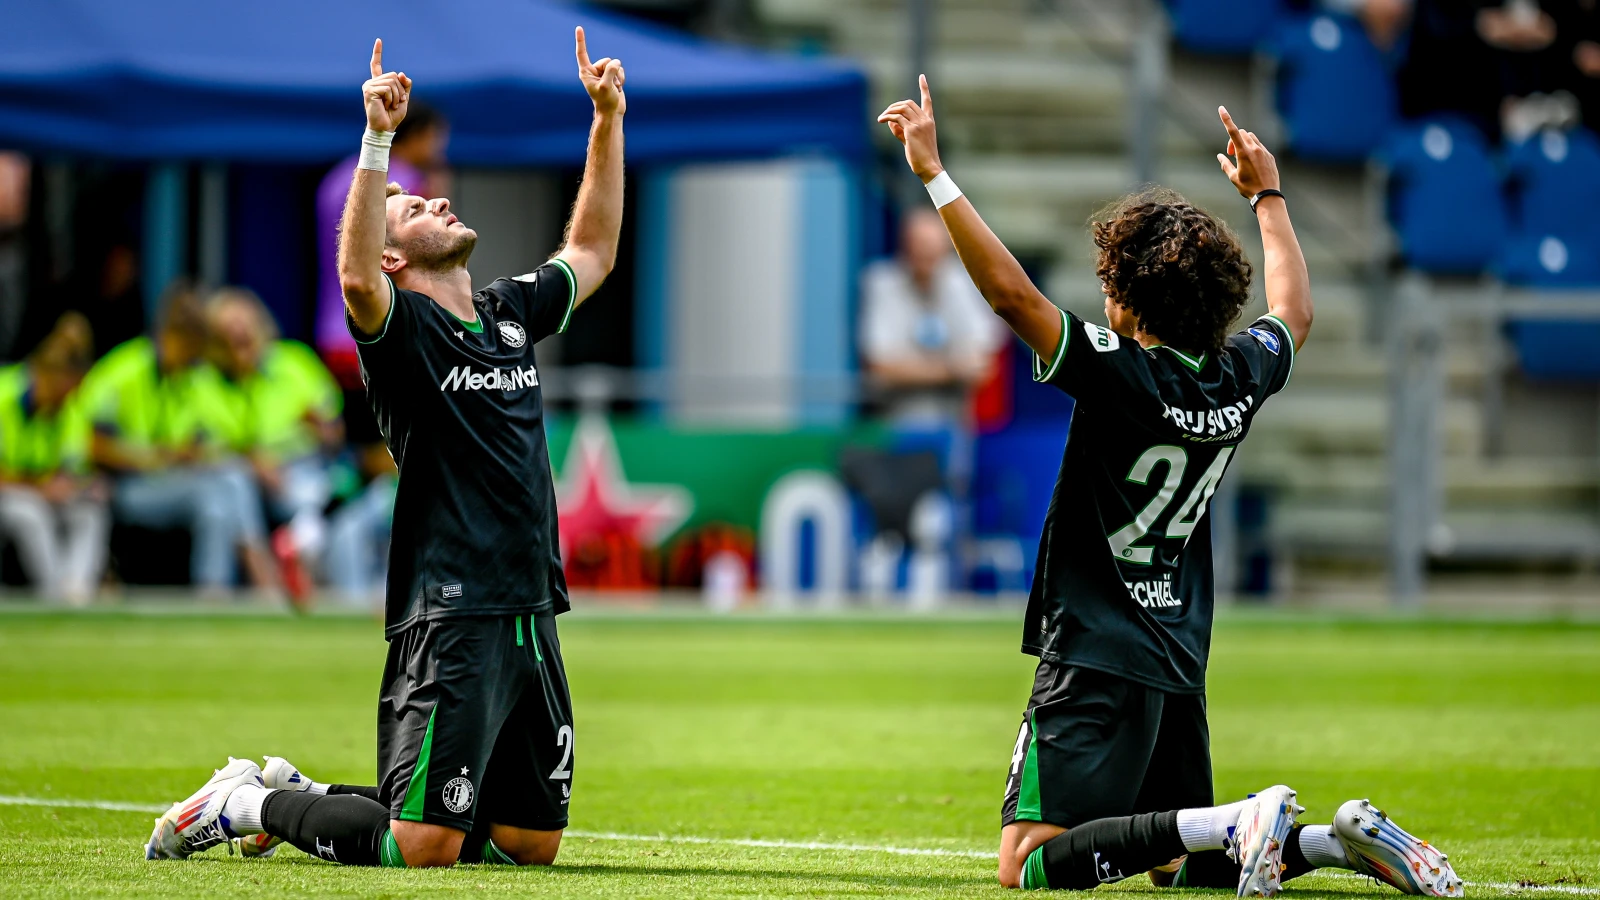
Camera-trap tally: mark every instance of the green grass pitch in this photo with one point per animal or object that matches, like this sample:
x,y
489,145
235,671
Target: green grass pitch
x,y
859,731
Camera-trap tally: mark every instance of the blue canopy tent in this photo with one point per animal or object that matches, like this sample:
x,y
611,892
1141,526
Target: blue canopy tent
x,y
262,88
279,82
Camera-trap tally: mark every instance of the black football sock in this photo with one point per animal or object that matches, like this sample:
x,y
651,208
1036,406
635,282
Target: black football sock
x,y
1209,869
1104,851
341,828
360,790
1294,858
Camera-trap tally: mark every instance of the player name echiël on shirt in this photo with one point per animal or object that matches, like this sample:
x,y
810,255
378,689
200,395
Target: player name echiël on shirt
x,y
1111,771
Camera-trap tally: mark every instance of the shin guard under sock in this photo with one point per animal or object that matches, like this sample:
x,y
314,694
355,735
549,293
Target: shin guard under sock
x,y
341,828
360,790
1104,851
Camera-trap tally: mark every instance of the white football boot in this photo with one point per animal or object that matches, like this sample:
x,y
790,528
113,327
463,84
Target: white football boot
x,y
196,824
279,775
1258,839
1379,848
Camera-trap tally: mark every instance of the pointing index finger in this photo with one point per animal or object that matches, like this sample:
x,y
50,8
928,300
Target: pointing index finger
x,y
583,49
927,96
1233,130
377,57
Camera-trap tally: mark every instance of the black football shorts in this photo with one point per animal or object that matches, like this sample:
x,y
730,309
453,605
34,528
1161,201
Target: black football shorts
x,y
475,724
1094,745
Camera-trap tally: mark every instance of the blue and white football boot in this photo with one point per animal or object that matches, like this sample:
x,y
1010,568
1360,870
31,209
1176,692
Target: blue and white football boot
x,y
1379,848
278,775
1258,840
197,824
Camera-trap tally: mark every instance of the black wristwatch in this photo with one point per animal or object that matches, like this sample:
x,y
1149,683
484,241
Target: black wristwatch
x,y
1269,192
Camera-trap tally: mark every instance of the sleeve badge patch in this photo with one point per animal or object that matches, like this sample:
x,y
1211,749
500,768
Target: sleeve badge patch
x,y
1103,339
1268,339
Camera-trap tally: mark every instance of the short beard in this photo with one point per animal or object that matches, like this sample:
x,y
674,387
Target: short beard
x,y
441,252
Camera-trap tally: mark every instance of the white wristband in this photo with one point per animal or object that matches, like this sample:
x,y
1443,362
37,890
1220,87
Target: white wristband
x,y
375,150
943,190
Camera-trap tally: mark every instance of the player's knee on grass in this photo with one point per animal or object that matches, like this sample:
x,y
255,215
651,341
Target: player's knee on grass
x,y
521,846
425,846
1017,840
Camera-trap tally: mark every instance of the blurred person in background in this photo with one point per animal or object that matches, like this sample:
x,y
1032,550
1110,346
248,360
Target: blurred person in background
x,y
927,337
353,565
15,186
416,163
1505,65
51,507
928,340
287,424
159,414
1383,20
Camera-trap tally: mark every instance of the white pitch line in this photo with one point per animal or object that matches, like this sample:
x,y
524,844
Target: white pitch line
x,y
108,805
115,806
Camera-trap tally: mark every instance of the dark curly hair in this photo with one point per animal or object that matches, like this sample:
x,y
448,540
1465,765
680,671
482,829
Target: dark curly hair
x,y
1170,263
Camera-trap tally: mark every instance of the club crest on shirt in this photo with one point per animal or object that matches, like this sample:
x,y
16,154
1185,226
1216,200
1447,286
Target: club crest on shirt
x,y
1267,337
513,335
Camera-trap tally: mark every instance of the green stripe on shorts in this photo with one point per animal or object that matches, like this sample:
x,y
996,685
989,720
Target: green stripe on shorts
x,y
417,790
1028,789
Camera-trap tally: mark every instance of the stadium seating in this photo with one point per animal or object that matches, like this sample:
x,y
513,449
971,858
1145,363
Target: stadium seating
x,y
1334,92
1558,349
1223,26
1445,200
1554,181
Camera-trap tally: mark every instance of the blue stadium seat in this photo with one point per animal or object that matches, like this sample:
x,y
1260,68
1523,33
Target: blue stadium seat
x,y
1557,349
1335,93
1555,193
1445,200
1223,26
1555,183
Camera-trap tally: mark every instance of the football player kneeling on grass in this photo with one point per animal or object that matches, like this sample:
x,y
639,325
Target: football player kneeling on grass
x,y
1111,775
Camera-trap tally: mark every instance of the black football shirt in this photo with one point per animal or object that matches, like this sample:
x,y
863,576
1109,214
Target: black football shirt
x,y
460,408
1123,582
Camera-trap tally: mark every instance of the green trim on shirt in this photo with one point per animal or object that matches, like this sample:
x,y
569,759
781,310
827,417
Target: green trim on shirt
x,y
572,292
1186,359
394,297
1288,339
475,326
1061,351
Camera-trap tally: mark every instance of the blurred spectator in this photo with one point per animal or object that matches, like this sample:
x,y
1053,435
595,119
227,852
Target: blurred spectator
x,y
1579,42
354,564
927,336
1502,64
286,424
1383,20
159,414
50,505
15,188
416,163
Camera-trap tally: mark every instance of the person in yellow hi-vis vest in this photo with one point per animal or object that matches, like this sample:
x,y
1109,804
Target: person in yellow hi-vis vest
x,y
159,417
286,421
51,506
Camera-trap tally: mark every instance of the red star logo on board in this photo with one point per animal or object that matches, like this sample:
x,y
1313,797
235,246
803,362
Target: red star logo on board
x,y
594,498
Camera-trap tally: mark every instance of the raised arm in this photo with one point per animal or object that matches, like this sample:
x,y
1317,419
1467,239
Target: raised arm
x,y
999,277
593,232
366,292
1288,285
